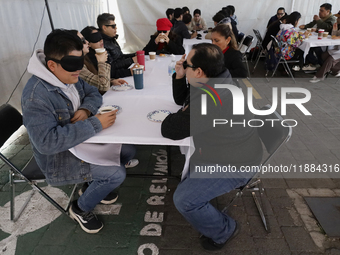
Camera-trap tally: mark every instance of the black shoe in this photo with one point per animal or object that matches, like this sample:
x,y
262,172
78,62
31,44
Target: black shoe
x,y
208,244
87,220
109,199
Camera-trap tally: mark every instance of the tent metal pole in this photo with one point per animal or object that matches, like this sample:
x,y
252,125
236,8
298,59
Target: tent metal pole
x,y
49,14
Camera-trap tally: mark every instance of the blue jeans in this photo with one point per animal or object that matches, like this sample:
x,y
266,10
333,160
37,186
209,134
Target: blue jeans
x,y
192,198
105,179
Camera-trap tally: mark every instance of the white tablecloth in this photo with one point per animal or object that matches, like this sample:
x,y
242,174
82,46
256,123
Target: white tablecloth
x,y
313,41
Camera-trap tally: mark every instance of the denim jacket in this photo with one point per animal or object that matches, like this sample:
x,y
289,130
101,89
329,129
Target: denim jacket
x,y
47,112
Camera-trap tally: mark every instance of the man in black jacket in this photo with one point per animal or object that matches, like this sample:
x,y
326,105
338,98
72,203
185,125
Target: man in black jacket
x,y
119,62
224,145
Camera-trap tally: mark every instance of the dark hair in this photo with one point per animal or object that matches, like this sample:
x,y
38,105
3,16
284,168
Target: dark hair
x,y
197,11
226,11
209,58
178,12
225,31
218,17
73,31
281,8
284,17
104,19
60,43
187,18
327,6
169,11
87,31
231,8
293,18
185,9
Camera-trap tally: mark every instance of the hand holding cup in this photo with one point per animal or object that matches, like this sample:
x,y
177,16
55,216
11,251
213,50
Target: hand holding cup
x,y
179,69
107,119
101,57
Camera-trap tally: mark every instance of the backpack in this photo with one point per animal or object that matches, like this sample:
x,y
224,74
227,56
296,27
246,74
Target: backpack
x,y
271,59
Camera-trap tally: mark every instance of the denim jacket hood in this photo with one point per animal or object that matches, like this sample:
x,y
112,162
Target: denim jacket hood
x,y
47,112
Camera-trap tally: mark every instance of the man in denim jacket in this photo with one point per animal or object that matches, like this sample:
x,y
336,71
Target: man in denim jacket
x,y
60,112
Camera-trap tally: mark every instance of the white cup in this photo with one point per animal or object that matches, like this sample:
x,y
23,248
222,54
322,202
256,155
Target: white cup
x,y
106,109
152,55
100,50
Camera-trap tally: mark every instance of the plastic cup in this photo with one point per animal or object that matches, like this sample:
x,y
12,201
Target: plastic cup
x,y
325,34
106,109
309,30
152,55
138,77
100,50
320,33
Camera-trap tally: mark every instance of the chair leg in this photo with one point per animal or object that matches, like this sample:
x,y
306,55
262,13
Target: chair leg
x,y
289,71
11,195
257,61
259,208
273,71
247,67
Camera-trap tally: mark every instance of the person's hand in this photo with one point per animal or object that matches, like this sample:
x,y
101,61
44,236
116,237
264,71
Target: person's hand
x,y
158,38
101,58
80,115
118,82
134,59
180,71
107,119
194,34
335,26
302,27
166,38
200,26
316,17
335,37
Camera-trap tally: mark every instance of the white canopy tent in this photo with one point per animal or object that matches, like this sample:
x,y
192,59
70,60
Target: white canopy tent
x,y
25,25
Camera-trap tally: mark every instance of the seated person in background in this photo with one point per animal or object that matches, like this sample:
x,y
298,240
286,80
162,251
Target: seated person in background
x,y
232,11
325,20
180,28
170,14
331,57
187,19
185,10
289,40
164,40
198,23
98,74
228,145
273,29
223,37
119,62
226,12
60,112
279,14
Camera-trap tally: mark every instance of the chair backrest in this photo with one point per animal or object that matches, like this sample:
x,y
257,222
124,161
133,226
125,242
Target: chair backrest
x,y
273,134
246,44
258,36
10,121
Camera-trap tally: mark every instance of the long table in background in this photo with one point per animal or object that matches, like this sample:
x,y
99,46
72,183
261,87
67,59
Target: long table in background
x,y
313,41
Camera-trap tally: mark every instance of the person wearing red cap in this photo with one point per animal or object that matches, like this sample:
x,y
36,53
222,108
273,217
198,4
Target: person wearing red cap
x,y
164,41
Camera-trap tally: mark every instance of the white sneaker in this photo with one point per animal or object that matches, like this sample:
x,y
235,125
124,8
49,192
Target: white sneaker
x,y
309,68
296,68
338,74
315,80
132,163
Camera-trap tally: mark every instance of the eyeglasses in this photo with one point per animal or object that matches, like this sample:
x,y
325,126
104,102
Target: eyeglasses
x,y
185,65
113,26
162,31
69,63
83,40
280,13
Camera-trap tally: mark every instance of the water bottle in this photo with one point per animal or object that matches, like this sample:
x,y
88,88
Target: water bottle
x,y
171,67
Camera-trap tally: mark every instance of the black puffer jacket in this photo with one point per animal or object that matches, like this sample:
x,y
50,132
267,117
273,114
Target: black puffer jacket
x,y
119,62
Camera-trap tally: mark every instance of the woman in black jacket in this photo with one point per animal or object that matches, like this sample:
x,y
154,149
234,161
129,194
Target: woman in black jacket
x,y
223,37
164,41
